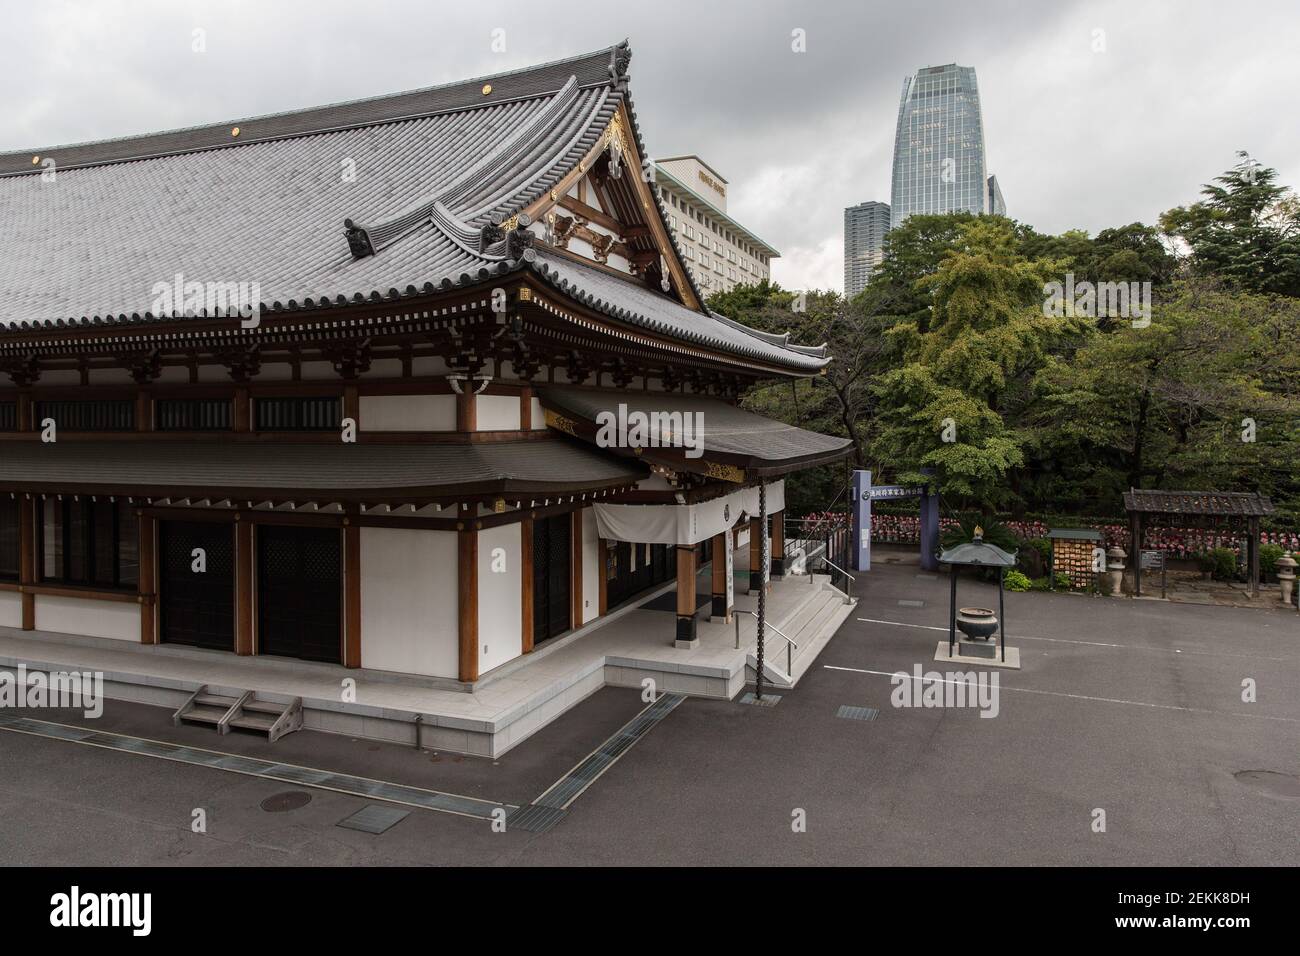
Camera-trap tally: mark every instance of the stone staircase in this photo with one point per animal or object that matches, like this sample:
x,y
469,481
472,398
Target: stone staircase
x,y
811,625
243,712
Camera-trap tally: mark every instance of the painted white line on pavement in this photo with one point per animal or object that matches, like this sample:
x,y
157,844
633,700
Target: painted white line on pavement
x,y
1123,647
1056,693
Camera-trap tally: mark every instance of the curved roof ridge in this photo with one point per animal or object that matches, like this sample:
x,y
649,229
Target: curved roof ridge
x,y
592,69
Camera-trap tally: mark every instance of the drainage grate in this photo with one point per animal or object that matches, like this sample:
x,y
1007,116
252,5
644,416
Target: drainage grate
x,y
289,800
911,604
535,818
768,700
374,819
269,770
857,713
565,790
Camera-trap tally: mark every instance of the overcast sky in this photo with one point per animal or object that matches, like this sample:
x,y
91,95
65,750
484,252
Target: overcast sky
x,y
1095,113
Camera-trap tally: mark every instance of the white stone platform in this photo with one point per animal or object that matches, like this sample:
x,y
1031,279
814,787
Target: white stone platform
x,y
486,719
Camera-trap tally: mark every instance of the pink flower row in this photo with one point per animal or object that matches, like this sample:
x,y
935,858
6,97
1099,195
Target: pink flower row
x,y
1177,542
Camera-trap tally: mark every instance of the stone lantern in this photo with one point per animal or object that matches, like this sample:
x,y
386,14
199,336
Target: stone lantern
x,y
1286,577
1115,569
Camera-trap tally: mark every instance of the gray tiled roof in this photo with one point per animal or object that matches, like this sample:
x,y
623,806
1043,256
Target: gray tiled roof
x,y
638,304
759,442
432,167
1236,503
352,471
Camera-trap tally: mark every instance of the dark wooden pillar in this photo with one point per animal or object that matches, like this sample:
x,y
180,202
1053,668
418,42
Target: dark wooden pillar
x,y
718,591
351,593
686,621
575,589
467,598
602,574
526,581
778,544
148,584
525,409
143,411
352,405
243,411
467,410
755,555
28,515
243,585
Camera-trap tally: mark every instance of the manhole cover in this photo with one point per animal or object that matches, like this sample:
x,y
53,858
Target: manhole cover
x,y
289,800
1270,782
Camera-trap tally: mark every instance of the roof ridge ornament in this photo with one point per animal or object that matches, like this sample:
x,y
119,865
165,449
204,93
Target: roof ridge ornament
x,y
619,60
358,239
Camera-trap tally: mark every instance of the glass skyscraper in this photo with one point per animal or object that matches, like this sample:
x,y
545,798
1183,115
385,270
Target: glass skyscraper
x,y
865,226
939,145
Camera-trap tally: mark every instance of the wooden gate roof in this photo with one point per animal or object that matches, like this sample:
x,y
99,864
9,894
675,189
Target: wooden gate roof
x,y
1213,503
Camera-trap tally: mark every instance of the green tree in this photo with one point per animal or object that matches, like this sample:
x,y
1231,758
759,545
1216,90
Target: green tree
x,y
1203,397
954,403
1246,231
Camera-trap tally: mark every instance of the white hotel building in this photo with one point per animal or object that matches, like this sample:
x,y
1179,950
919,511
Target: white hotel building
x,y
720,253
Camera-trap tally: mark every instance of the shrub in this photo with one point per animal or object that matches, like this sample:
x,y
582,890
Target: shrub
x,y
1035,556
1041,584
1268,555
1015,581
995,532
1061,581
1224,567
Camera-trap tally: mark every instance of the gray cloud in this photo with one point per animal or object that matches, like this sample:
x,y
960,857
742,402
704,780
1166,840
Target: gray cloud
x,y
1079,139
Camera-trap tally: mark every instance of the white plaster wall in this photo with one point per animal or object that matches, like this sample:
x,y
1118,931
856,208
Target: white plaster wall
x,y
384,368
408,413
429,365
110,376
409,617
66,376
276,372
173,375
314,371
538,415
497,413
11,609
86,616
591,567
500,597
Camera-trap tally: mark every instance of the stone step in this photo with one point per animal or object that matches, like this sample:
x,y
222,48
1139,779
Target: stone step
x,y
815,627
206,714
836,614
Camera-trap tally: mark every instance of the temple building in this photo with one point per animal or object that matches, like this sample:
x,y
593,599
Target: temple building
x,y
408,389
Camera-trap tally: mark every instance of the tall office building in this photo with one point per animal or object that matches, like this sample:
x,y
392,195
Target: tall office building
x,y
997,205
865,226
939,145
